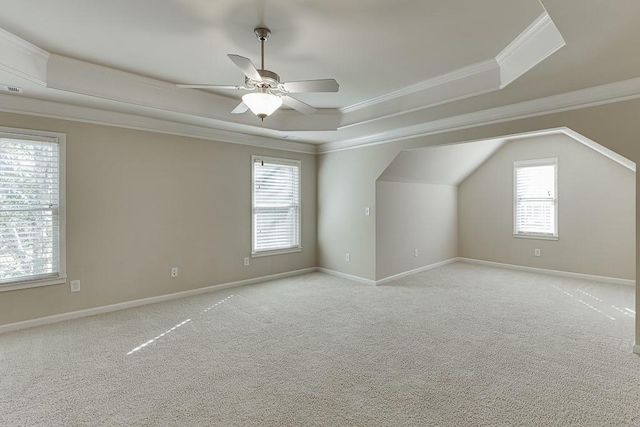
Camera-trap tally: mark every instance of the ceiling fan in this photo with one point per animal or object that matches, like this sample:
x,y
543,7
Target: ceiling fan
x,y
268,93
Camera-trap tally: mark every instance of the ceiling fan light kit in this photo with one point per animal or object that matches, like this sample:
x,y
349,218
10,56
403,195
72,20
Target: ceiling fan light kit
x,y
267,92
262,103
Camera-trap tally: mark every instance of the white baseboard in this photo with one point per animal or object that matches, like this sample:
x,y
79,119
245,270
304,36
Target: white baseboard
x,y
346,276
560,273
414,271
636,349
144,301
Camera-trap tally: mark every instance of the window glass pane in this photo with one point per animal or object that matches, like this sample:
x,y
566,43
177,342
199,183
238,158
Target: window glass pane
x,y
535,189
29,198
276,204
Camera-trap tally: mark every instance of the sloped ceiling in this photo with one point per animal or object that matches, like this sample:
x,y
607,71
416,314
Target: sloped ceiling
x,y
453,163
445,165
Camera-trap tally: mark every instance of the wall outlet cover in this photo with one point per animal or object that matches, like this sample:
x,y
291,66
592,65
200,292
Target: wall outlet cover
x,y
74,286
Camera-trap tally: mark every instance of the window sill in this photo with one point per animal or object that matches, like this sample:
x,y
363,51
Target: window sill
x,y
535,236
276,252
32,284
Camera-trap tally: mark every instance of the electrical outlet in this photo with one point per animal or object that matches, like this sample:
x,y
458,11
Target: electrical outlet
x,y
246,261
347,257
415,252
174,271
75,286
536,252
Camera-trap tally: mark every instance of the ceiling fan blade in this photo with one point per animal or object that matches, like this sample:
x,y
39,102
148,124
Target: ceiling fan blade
x,y
241,108
203,86
326,85
298,105
246,66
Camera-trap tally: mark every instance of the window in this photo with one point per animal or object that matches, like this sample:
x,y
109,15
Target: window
x,y
31,209
276,205
536,199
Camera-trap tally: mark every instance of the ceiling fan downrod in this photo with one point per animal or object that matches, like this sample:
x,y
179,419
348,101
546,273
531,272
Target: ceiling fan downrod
x,y
262,33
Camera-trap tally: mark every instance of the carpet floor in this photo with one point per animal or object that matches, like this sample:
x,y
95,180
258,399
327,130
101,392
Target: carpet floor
x,y
460,345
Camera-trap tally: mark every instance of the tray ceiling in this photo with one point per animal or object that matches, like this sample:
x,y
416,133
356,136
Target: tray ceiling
x,y
400,65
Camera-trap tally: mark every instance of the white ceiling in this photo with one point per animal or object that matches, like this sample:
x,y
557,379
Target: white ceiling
x,y
407,66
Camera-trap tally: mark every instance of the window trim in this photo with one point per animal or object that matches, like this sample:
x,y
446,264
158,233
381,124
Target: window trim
x,y
279,251
537,162
61,140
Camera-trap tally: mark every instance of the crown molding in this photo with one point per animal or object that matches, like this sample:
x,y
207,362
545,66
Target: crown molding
x,y
451,77
57,110
100,82
528,34
535,44
478,79
22,58
621,160
103,83
598,95
23,44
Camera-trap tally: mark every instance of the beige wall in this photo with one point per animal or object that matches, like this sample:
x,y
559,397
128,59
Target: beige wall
x,y
596,211
414,216
139,203
345,181
340,199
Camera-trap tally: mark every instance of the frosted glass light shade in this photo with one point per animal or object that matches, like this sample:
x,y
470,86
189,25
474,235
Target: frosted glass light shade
x,y
262,104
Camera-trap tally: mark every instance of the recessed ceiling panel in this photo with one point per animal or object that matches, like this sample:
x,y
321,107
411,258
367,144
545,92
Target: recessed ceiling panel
x,y
370,48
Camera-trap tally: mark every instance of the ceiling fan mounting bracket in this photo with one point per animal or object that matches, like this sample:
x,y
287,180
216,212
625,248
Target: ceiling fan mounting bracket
x,y
262,33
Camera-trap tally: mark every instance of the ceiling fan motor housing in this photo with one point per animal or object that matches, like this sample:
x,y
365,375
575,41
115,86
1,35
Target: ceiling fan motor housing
x,y
270,80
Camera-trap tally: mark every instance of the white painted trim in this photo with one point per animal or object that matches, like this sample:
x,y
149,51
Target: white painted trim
x,y
415,271
275,161
23,59
601,149
60,139
623,161
535,44
559,273
28,284
536,236
144,301
528,163
100,82
636,349
61,111
443,79
347,276
583,98
130,90
23,44
528,34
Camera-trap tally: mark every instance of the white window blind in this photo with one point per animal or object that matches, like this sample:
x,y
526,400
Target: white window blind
x,y
29,209
535,198
276,204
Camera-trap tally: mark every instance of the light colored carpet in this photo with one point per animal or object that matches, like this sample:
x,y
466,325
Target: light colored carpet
x,y
461,345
